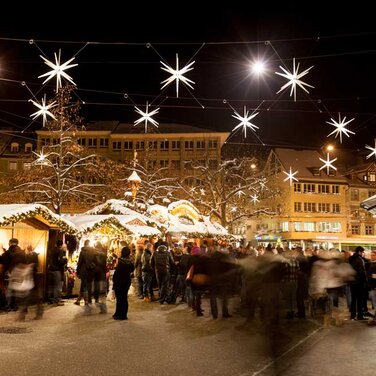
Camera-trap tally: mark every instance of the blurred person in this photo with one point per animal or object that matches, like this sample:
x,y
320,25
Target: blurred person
x,y
122,283
85,271
358,286
147,273
162,263
100,282
55,273
371,272
138,272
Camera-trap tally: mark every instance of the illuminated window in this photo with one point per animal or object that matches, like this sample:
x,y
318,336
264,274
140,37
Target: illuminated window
x,y
14,147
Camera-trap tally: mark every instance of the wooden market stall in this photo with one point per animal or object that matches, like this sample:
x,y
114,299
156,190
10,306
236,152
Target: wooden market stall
x,y
35,225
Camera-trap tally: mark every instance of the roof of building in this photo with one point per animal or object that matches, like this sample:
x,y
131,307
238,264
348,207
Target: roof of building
x,y
129,128
306,162
369,204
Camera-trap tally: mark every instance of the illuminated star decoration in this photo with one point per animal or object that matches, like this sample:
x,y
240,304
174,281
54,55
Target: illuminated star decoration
x,y
202,192
146,117
328,163
245,121
234,209
294,79
290,176
58,70
177,75
373,151
43,110
254,199
340,127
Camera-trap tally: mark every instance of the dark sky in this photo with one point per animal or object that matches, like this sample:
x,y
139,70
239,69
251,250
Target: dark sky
x,y
339,42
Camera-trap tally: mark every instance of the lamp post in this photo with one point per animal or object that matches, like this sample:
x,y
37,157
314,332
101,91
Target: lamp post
x,y
134,180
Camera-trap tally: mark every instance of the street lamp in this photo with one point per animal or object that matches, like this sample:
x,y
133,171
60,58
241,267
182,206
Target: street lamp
x,y
134,180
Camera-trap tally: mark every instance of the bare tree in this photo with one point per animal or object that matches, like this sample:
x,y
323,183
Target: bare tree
x,y
63,173
235,189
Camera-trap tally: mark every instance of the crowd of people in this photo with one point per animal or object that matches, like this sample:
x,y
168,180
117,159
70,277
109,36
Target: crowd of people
x,y
271,282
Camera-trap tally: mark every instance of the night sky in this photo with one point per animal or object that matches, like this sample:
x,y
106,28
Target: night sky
x,y
339,42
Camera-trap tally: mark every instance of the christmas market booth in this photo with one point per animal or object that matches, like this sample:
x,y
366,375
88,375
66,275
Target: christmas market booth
x,y
182,219
35,225
111,229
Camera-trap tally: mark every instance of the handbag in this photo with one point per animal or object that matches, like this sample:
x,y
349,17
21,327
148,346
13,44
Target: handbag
x,y
189,276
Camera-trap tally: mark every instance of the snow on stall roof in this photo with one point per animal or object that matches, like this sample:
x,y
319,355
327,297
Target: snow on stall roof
x,y
11,212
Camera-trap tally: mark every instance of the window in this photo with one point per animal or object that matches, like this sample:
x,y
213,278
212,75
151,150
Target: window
x,y
372,177
46,141
27,166
152,145
323,188
81,141
128,145
324,227
316,171
310,207
369,230
164,145
200,144
212,144
14,147
371,193
12,166
140,145
336,208
297,206
103,142
116,145
323,207
354,194
188,145
285,226
297,187
355,230
309,188
175,164
335,189
175,145
163,162
308,226
28,147
336,227
92,142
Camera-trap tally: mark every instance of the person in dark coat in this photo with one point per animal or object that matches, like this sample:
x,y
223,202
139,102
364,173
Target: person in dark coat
x,y
122,282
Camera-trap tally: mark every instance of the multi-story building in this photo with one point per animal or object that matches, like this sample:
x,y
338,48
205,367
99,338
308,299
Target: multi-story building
x,y
172,146
16,152
322,208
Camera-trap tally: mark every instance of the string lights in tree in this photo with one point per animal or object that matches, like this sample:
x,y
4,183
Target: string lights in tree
x,y
177,75
255,199
294,79
340,127
58,70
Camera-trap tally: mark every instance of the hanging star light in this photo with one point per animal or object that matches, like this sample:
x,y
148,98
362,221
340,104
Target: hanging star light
x,y
58,70
340,127
373,151
43,110
294,79
328,164
245,121
146,117
239,193
202,192
177,75
254,199
290,176
234,209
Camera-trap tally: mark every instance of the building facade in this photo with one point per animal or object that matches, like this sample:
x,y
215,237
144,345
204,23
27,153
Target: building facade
x,y
322,208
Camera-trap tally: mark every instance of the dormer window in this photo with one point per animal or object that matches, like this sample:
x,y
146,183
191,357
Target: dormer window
x,y
14,147
28,147
316,171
